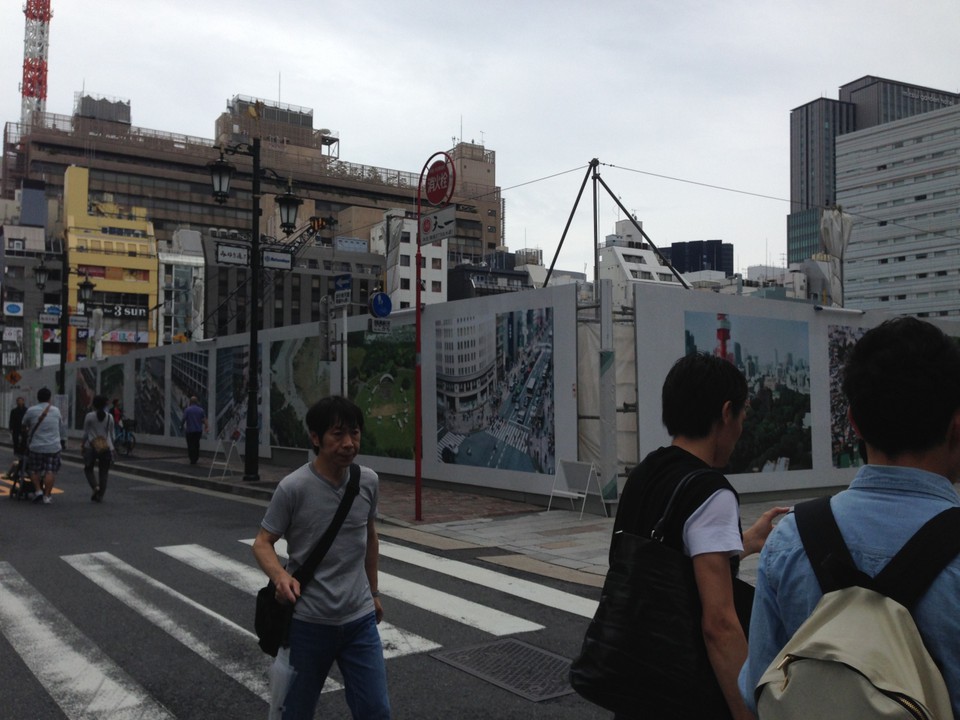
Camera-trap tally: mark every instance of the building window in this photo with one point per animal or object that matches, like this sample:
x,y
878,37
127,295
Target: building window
x,y
404,283
436,286
404,261
436,263
405,237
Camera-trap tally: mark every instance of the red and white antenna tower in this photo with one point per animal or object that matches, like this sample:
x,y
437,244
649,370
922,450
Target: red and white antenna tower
x,y
36,43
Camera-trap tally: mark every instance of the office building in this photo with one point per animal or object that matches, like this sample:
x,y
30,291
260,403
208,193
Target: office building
x,y
901,183
814,127
698,255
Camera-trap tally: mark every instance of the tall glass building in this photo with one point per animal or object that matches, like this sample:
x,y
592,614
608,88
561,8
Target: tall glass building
x,y
814,127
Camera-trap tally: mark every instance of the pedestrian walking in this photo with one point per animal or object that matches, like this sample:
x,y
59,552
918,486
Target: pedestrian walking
x,y
902,383
16,423
194,426
46,439
97,446
704,404
336,616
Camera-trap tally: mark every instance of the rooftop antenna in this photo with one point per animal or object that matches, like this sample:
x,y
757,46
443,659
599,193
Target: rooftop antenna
x,y
36,44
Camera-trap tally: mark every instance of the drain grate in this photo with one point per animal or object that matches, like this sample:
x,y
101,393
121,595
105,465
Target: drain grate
x,y
513,665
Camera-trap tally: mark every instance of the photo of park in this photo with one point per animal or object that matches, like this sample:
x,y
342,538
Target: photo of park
x,y
380,368
299,376
774,357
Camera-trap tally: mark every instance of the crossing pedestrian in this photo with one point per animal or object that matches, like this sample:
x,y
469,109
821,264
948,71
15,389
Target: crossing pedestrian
x,y
194,426
46,439
16,423
97,446
336,616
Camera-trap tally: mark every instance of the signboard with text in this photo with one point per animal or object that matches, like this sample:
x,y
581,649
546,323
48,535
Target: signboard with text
x,y
232,254
438,225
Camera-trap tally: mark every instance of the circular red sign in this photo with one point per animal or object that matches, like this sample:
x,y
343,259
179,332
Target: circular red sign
x,y
438,185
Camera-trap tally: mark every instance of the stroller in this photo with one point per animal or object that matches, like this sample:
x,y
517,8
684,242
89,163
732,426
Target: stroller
x,y
21,486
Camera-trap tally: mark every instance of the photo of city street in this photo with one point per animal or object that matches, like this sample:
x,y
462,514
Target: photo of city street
x,y
844,444
148,401
111,383
188,378
86,388
232,376
495,391
299,376
774,357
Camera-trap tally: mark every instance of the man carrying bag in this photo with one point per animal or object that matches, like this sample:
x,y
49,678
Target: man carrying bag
x,y
336,609
667,641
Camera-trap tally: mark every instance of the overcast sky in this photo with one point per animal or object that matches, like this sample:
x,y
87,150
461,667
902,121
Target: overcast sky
x,y
672,95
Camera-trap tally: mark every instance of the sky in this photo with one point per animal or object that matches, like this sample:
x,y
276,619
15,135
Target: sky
x,y
685,103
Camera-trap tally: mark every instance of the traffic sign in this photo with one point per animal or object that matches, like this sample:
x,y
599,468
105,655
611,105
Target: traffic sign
x,y
13,377
439,183
342,286
438,225
380,305
378,325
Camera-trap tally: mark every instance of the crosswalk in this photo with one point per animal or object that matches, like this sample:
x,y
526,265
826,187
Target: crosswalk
x,y
85,682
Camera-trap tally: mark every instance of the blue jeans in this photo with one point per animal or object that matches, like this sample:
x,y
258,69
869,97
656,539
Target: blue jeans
x,y
358,651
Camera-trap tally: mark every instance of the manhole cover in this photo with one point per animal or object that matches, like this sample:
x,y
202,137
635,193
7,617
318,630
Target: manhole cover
x,y
516,666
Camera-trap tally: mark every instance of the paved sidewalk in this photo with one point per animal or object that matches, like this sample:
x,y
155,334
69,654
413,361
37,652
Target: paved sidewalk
x,y
508,533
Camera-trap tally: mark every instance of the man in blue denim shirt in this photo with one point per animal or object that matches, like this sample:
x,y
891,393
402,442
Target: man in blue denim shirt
x,y
902,382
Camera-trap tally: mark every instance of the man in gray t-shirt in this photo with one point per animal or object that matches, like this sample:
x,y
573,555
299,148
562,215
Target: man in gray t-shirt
x,y
335,617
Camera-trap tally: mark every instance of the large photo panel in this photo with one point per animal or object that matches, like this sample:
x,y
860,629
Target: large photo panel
x,y
783,349
500,389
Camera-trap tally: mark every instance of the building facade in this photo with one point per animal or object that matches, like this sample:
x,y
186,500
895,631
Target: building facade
x,y
698,255
901,183
166,173
814,127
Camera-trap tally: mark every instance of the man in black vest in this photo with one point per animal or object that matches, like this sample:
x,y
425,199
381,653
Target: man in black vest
x,y
704,406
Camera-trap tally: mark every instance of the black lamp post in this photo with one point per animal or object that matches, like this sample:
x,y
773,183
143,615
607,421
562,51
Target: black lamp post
x,y
85,293
220,173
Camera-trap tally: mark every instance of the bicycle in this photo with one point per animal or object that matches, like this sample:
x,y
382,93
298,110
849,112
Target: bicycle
x,y
124,439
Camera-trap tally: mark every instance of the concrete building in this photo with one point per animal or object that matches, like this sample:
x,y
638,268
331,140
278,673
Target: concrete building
x,y
626,258
166,173
814,127
901,183
395,238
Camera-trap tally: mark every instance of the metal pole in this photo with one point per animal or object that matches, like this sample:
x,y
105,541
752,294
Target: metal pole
x,y
64,321
251,459
418,382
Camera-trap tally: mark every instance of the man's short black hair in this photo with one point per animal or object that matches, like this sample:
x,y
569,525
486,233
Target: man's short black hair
x,y
695,391
44,394
334,411
902,380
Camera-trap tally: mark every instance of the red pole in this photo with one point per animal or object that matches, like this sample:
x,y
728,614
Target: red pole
x,y
418,376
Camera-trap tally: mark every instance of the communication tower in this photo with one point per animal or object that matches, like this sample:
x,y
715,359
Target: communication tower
x,y
36,43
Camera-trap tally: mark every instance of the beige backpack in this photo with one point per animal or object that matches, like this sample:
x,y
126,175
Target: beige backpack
x,y
859,654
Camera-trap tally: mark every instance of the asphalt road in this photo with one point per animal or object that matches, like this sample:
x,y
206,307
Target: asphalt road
x,y
142,607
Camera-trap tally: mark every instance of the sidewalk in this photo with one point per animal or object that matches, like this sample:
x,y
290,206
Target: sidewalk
x,y
557,544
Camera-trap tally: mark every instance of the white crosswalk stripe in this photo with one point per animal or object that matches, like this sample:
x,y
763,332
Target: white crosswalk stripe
x,y
138,591
76,674
86,683
449,606
518,587
244,577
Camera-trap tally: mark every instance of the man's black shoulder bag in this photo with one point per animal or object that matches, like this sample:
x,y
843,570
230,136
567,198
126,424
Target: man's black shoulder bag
x,y
272,622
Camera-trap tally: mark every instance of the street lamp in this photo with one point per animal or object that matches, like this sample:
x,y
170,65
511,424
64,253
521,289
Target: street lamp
x,y
41,274
220,174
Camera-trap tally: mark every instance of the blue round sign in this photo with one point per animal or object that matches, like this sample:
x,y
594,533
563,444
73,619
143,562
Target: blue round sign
x,y
380,305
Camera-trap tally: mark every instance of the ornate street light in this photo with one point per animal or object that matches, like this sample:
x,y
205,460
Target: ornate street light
x,y
220,174
41,274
